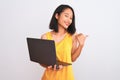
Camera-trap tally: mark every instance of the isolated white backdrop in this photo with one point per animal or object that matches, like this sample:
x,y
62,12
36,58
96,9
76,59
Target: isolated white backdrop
x,y
100,19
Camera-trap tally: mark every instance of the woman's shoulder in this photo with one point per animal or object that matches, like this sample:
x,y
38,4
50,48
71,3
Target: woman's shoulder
x,y
44,35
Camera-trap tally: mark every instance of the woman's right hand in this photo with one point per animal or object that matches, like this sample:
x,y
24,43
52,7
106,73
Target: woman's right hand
x,y
55,67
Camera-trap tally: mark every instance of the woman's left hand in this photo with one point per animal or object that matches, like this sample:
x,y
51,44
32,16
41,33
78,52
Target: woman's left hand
x,y
55,67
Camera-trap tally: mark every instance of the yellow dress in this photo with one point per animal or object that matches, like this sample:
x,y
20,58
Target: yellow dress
x,y
63,52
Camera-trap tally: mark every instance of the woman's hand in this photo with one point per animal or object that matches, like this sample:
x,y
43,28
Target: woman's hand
x,y
78,43
55,67
81,38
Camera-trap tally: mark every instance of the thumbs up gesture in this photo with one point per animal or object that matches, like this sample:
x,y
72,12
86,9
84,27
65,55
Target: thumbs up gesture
x,y
81,38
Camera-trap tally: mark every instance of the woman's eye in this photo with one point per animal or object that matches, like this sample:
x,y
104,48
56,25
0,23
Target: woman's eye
x,y
66,15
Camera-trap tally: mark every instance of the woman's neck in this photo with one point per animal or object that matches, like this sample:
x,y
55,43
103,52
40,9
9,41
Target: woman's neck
x,y
58,36
61,31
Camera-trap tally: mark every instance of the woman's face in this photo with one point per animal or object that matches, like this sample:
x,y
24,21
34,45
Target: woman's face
x,y
65,18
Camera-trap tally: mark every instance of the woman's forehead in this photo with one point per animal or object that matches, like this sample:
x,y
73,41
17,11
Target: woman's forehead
x,y
68,11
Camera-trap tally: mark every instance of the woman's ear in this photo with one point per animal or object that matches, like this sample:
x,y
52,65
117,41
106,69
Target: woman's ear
x,y
56,15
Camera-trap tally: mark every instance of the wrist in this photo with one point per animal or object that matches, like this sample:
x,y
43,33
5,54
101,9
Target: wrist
x,y
80,45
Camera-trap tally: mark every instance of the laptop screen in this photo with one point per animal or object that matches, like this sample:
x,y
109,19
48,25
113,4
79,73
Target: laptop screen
x,y
42,51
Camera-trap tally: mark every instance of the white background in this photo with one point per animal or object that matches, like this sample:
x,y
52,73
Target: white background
x,y
100,19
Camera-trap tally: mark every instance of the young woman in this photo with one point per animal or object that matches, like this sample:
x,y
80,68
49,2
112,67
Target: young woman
x,y
68,43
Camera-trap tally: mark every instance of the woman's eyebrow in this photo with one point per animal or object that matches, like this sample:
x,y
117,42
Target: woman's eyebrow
x,y
66,13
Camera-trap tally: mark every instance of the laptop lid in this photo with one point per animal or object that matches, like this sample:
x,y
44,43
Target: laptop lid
x,y
42,51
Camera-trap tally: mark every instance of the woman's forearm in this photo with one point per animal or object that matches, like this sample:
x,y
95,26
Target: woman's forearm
x,y
77,53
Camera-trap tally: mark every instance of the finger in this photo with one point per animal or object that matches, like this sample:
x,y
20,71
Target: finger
x,y
83,35
79,34
60,67
49,67
54,67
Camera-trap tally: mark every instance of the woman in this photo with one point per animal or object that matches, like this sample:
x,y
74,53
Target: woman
x,y
68,43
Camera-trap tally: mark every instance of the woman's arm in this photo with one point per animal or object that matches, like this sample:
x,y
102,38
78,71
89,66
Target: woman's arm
x,y
78,43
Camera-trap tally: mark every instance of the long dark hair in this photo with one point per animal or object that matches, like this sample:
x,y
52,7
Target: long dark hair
x,y
54,24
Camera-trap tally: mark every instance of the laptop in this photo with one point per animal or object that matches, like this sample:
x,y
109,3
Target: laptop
x,y
43,51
